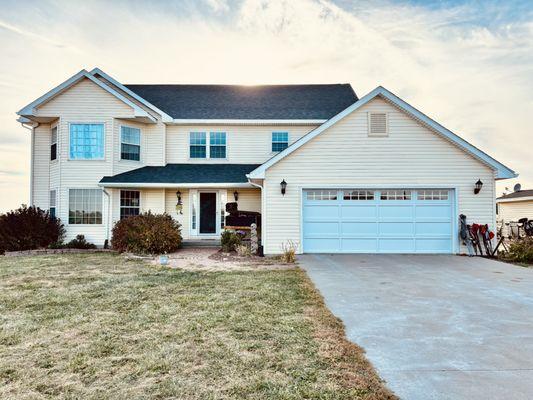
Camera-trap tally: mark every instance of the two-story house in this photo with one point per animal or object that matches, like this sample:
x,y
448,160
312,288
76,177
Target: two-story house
x,y
327,170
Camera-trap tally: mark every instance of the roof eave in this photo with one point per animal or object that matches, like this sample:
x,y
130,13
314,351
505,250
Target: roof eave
x,y
152,185
164,116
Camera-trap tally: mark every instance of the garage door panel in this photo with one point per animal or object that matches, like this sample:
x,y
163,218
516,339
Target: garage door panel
x,y
396,229
320,229
322,245
433,228
359,212
379,224
322,212
359,229
396,212
396,245
434,245
359,245
433,211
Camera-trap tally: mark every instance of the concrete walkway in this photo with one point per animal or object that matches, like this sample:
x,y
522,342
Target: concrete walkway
x,y
435,327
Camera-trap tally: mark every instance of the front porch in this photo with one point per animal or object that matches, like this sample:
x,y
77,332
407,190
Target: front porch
x,y
193,194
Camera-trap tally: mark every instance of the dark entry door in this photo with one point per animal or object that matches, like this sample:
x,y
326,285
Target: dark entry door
x,y
208,212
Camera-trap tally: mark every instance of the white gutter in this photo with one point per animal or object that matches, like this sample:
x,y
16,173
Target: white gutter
x,y
175,185
514,199
263,212
247,121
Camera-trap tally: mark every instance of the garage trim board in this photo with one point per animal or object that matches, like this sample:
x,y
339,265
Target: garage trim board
x,y
378,220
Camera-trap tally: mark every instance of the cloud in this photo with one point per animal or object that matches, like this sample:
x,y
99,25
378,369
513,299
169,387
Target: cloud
x,y
466,64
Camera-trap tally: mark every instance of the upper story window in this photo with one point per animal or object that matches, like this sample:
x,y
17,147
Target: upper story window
x,y
52,208
129,203
87,141
280,141
197,145
130,143
53,144
217,145
85,206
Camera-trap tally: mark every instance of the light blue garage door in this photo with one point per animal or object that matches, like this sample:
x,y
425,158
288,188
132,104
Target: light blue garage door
x,y
378,221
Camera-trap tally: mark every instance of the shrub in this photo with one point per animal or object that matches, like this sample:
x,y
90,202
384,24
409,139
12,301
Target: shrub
x,y
147,234
229,240
243,250
288,254
29,228
80,243
521,251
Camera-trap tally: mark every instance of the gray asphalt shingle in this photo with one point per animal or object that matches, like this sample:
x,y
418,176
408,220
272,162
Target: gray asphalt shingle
x,y
248,102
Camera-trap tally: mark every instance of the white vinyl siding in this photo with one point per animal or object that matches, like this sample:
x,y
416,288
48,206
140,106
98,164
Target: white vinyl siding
x,y
344,155
513,211
244,144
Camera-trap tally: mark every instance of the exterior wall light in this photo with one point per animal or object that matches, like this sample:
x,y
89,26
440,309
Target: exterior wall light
x,y
236,195
179,204
478,187
283,185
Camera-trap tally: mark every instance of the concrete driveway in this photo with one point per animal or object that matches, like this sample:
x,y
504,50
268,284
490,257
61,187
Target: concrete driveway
x,y
435,327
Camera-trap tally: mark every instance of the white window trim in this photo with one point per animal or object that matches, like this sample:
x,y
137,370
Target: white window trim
x,y
120,144
87,123
50,198
129,190
272,141
386,124
103,207
52,126
208,146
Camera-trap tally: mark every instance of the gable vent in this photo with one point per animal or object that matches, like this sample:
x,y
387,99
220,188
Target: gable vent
x,y
377,124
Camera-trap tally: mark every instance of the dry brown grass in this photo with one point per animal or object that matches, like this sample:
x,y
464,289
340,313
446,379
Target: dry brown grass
x,y
99,327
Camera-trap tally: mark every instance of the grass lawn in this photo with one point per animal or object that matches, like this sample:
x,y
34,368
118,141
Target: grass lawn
x,y
99,327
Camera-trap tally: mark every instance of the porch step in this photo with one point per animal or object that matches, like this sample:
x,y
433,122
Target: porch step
x,y
201,243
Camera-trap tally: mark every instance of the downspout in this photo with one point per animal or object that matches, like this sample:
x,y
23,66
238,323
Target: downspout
x,y
32,157
108,214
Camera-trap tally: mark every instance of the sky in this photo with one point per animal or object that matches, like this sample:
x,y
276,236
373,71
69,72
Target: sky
x,y
466,64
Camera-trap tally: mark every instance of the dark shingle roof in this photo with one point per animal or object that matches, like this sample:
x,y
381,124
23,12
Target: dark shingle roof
x,y
185,173
518,194
248,102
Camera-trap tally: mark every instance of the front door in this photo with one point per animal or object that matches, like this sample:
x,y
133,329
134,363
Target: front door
x,y
208,213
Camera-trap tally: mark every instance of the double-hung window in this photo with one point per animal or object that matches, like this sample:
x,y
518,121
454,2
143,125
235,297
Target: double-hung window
x,y
129,203
85,206
52,208
280,141
197,145
53,144
130,143
86,141
217,145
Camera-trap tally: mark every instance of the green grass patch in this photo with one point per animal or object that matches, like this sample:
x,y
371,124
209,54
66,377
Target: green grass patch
x,y
98,327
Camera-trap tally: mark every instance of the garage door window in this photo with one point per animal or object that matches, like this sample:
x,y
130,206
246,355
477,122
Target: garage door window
x,y
322,195
395,195
358,195
432,195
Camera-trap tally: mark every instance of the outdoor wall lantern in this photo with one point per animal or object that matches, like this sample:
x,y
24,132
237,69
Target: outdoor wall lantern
x,y
236,195
479,185
179,204
283,185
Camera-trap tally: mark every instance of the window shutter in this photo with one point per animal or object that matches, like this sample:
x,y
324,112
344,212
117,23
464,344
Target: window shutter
x,y
377,124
